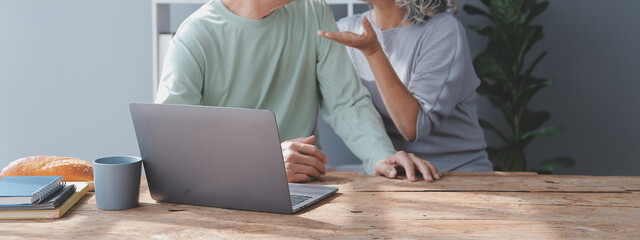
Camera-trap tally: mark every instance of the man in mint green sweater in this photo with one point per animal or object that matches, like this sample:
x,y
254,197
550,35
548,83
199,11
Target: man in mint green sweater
x,y
265,54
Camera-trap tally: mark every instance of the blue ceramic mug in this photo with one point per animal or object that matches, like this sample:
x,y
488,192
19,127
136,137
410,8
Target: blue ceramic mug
x,y
117,182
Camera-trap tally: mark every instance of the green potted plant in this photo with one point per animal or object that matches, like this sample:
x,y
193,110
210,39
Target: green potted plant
x,y
510,86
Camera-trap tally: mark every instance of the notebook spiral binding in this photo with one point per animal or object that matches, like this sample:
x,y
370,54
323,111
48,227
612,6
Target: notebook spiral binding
x,y
44,190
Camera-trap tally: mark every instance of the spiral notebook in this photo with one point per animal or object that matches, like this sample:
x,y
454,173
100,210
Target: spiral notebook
x,y
51,202
81,188
28,190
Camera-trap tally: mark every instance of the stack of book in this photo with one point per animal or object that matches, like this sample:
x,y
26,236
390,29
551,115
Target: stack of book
x,y
27,197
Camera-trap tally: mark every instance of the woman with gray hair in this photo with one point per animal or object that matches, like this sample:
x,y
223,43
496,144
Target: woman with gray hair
x,y
415,61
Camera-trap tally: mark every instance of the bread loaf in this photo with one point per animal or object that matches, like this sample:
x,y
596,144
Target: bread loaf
x,y
72,169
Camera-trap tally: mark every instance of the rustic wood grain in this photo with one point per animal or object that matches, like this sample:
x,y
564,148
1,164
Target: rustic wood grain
x,y
382,214
490,173
348,182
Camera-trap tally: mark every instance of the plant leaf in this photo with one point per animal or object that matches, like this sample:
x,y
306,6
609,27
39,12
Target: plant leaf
x,y
486,125
507,14
494,92
536,11
531,83
535,63
491,152
473,10
491,64
529,88
498,98
507,159
486,2
483,30
529,37
486,66
529,121
545,132
548,166
528,4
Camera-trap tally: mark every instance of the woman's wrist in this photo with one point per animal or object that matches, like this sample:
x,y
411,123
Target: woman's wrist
x,y
373,52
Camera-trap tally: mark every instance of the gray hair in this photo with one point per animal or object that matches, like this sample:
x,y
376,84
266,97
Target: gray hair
x,y
419,11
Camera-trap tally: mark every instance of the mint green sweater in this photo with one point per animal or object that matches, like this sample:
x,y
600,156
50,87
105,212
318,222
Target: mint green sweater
x,y
278,63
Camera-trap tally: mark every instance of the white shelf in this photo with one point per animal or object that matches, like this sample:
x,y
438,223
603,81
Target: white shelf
x,y
159,8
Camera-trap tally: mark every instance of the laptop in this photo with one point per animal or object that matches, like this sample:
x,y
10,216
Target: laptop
x,y
217,157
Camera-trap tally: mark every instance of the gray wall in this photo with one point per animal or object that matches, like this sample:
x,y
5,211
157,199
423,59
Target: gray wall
x,y
68,69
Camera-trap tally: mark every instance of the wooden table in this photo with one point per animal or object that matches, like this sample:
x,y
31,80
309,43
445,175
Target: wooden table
x,y
460,206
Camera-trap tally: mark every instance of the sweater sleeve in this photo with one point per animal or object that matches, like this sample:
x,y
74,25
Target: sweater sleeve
x,y
437,81
182,77
345,104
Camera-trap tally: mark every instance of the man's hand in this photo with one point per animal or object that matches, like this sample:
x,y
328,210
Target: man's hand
x,y
387,167
303,160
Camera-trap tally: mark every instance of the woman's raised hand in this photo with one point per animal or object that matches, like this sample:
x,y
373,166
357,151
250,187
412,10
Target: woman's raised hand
x,y
366,42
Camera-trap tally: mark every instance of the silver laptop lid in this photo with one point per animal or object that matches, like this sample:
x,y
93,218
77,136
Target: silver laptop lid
x,y
212,156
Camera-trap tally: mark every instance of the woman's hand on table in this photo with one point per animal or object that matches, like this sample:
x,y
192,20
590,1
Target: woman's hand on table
x,y
366,42
303,161
409,162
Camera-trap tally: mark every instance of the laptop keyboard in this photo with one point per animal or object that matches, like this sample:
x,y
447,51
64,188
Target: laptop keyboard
x,y
295,199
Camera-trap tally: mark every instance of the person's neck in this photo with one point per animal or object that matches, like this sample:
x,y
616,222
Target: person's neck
x,y
253,9
388,15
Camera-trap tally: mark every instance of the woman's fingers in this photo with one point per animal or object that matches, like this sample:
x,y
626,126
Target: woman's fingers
x,y
424,169
339,37
368,29
346,38
436,173
385,168
409,162
401,158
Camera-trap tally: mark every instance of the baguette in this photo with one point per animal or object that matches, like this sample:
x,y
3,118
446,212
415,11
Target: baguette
x,y
72,169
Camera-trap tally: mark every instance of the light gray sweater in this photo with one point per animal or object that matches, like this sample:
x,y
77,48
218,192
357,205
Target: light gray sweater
x,y
433,60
